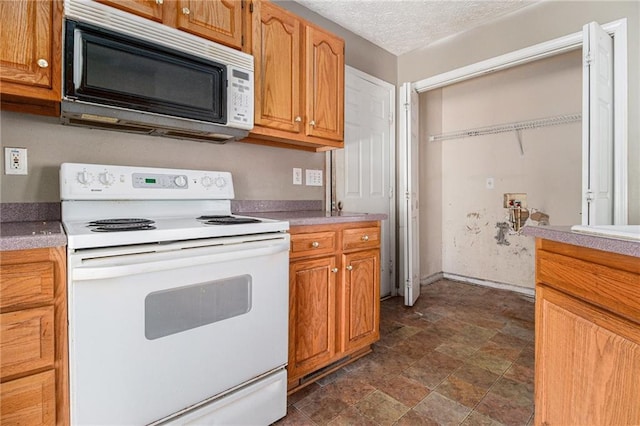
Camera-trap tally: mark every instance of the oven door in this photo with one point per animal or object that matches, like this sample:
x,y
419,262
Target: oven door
x,y
155,328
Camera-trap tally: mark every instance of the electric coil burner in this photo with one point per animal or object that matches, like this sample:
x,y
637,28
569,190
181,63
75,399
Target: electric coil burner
x,y
121,224
166,312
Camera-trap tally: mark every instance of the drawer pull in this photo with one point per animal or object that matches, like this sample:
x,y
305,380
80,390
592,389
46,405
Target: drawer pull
x,y
334,270
42,63
159,1
365,238
298,119
185,11
349,267
312,123
315,244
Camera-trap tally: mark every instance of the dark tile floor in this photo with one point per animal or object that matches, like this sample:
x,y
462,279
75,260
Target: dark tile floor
x,y
463,355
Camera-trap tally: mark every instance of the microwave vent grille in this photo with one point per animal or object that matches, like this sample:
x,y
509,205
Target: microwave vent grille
x,y
135,26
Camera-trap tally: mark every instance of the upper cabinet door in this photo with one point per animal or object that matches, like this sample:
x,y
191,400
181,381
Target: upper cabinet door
x,y
150,9
219,20
30,48
325,84
277,69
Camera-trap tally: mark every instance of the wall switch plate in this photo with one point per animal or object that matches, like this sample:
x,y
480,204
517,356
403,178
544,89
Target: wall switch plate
x,y
15,161
313,177
297,176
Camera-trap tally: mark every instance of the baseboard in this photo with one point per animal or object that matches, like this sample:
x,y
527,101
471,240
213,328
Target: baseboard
x,y
530,292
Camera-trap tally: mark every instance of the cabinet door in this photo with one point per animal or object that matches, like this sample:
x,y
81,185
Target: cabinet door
x,y
276,49
150,9
312,301
30,48
324,54
360,319
587,363
217,20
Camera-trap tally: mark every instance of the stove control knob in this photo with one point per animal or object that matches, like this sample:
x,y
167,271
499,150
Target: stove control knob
x,y
221,182
206,181
84,177
180,181
106,178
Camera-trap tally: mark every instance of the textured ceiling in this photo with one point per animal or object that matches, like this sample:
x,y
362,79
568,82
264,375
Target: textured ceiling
x,y
400,26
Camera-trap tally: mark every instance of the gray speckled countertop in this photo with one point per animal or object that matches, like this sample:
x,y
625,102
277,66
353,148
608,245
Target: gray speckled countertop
x,y
317,217
29,235
564,234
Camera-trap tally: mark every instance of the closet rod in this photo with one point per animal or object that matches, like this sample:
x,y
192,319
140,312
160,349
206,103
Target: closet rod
x,y
508,127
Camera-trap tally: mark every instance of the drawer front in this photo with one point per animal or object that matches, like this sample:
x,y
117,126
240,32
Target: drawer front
x,y
312,244
27,341
29,400
26,283
357,238
609,288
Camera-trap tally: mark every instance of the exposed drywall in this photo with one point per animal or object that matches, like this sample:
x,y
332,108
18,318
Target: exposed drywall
x,y
259,172
474,243
538,23
359,53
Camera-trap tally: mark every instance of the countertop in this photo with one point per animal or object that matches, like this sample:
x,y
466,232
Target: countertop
x,y
564,234
30,235
317,217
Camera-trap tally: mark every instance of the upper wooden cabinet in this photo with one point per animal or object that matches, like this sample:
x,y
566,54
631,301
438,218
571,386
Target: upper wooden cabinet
x,y
216,20
30,55
299,81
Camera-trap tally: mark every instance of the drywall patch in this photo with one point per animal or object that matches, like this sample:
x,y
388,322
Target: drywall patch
x,y
503,230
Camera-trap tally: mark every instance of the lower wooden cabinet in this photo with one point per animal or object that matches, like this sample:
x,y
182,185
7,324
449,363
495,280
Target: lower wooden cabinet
x,y
33,338
334,297
587,336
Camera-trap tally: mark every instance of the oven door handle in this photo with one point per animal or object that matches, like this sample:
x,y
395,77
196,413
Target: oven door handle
x,y
153,264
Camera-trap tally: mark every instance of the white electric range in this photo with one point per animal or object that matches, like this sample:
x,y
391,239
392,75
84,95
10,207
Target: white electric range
x,y
178,310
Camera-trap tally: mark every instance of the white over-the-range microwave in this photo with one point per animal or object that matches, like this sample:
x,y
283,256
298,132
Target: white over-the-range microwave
x,y
126,73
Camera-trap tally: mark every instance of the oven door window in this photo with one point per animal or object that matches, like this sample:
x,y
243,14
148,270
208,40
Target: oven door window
x,y
108,68
173,311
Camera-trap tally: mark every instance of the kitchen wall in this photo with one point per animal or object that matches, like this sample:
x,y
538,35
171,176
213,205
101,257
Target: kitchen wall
x,y
459,214
536,24
260,172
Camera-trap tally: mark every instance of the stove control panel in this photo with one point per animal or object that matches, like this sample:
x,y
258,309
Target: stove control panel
x,y
108,182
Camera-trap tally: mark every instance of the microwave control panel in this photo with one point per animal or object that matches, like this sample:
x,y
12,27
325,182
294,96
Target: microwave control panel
x,y
240,97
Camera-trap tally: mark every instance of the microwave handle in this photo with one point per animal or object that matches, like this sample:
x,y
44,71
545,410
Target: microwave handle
x,y
85,273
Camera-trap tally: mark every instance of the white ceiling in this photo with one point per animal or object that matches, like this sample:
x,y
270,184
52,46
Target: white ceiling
x,y
400,26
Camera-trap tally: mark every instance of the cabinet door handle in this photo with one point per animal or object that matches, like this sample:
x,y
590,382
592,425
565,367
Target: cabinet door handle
x,y
159,1
365,238
42,63
312,123
349,267
298,119
315,244
334,270
185,11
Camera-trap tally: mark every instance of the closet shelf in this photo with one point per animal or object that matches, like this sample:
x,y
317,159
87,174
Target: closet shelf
x,y
508,127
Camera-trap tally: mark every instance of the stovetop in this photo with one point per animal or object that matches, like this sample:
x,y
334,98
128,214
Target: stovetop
x,y
150,205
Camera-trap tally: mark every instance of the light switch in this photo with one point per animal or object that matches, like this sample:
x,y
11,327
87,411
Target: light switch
x,y
313,177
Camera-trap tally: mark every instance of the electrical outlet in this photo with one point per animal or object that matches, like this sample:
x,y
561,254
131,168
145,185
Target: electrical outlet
x,y
297,176
15,161
313,177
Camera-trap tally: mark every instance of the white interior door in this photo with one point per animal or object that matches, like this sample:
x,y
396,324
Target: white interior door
x,y
597,130
365,168
409,232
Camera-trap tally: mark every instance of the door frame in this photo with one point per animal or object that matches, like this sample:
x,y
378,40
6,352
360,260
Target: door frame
x,y
618,30
330,165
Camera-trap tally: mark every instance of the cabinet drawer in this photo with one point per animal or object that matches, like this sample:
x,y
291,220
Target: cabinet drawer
x,y
29,400
312,244
358,238
613,289
26,283
27,340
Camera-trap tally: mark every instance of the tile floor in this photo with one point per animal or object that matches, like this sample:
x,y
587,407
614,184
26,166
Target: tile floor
x,y
463,355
